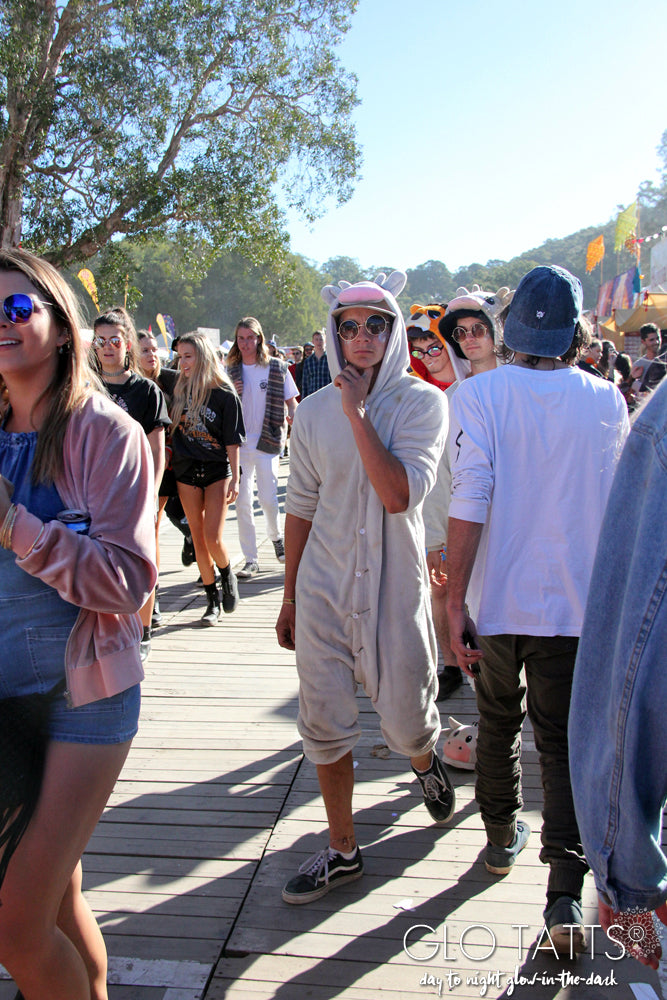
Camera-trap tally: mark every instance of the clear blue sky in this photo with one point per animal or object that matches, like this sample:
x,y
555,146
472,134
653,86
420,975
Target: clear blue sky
x,y
488,127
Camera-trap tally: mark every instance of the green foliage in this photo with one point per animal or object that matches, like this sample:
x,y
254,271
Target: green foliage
x,y
177,118
286,301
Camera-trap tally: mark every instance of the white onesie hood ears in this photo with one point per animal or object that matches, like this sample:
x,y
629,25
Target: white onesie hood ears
x,y
381,294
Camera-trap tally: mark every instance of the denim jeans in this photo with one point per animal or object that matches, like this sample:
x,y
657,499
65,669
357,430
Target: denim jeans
x,y
520,671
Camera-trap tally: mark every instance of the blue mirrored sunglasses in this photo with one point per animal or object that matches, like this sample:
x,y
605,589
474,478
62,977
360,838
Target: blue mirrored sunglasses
x,y
18,308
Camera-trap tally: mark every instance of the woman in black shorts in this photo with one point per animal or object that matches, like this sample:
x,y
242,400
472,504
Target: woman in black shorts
x,y
207,430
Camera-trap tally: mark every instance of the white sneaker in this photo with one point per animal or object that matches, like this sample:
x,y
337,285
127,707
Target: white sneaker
x,y
250,569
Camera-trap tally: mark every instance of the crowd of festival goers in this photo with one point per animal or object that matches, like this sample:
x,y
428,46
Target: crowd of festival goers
x,y
449,475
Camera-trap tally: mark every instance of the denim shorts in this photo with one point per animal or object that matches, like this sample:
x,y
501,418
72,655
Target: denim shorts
x,y
111,720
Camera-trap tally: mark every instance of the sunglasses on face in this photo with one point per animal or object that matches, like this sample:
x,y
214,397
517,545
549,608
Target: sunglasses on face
x,y
478,330
18,308
101,342
433,351
349,329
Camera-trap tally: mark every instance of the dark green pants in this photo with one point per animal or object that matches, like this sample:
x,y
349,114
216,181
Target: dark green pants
x,y
533,672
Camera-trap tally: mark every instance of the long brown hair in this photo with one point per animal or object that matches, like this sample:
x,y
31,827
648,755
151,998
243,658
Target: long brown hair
x,y
261,355
72,382
192,393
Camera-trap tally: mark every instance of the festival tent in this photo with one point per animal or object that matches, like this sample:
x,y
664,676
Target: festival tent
x,y
652,310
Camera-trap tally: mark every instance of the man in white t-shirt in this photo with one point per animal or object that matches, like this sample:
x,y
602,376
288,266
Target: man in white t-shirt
x,y
267,390
532,445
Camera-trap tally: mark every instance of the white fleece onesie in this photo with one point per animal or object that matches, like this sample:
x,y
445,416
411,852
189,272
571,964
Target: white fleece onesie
x,y
362,590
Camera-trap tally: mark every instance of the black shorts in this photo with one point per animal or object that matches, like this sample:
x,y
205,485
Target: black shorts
x,y
203,474
168,486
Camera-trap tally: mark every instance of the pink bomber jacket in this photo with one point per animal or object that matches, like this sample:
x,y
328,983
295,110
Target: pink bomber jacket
x,y
109,573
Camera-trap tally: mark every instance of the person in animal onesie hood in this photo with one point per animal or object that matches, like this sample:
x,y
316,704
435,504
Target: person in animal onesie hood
x,y
365,451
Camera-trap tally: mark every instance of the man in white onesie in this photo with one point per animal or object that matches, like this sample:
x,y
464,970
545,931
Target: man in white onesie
x,y
365,451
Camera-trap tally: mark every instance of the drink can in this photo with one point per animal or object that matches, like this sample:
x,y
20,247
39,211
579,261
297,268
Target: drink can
x,y
76,520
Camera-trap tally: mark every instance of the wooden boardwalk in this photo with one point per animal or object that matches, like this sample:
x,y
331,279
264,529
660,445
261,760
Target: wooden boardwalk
x,y
217,807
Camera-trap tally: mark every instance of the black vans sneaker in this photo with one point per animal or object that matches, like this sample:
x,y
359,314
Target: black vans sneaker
x,y
439,794
321,873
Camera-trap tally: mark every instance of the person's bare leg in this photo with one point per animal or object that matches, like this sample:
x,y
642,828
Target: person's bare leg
x,y
451,678
441,622
162,503
76,921
215,514
192,499
38,954
423,762
337,785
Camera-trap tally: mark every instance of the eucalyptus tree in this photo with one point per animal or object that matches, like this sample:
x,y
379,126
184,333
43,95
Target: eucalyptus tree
x,y
191,119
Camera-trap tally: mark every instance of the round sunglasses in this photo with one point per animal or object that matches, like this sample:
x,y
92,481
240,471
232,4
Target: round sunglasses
x,y
375,325
478,330
18,308
433,351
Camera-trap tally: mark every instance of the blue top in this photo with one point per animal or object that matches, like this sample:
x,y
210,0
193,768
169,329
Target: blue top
x,y
617,730
36,621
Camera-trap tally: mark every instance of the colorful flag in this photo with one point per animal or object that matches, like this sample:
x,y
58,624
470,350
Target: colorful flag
x,y
87,279
595,253
626,225
159,319
170,325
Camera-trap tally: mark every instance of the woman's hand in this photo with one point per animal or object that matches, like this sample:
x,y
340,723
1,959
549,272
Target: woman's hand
x,y
232,490
6,493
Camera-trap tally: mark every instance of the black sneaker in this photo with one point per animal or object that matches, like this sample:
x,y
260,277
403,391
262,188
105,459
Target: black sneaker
x,y
188,551
565,923
439,794
449,681
279,549
229,589
321,873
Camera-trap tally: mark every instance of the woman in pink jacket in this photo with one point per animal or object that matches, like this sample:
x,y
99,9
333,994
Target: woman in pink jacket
x,y
77,553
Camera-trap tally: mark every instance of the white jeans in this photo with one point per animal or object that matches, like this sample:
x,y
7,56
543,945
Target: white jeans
x,y
265,467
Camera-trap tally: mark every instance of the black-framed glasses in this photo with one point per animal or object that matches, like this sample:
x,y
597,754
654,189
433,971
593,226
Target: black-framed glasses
x,y
19,307
375,325
477,330
101,342
433,351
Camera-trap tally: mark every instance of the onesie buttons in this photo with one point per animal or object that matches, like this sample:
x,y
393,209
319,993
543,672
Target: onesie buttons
x,y
355,615
362,531
357,573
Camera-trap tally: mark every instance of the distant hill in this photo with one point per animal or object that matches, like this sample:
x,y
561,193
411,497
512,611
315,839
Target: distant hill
x,y
432,281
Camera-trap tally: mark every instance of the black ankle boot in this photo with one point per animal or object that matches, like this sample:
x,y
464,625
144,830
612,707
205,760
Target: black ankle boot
x,y
229,588
212,613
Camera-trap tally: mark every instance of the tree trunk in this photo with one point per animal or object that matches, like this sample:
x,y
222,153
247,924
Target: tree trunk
x,y
11,203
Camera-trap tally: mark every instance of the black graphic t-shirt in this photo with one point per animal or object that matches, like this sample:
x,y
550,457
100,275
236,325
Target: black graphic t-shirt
x,y
142,399
219,423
